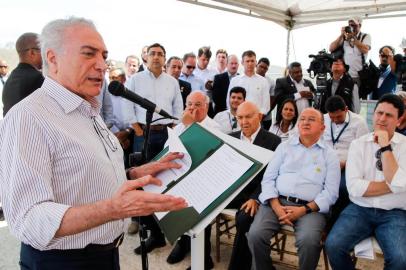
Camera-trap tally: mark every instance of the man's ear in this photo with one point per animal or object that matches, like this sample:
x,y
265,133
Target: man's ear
x,y
52,61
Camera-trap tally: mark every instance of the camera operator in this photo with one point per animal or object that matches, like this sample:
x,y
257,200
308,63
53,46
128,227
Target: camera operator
x,y
340,84
387,73
355,45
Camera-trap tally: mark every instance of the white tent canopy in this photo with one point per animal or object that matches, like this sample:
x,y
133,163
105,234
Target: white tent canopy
x,y
292,14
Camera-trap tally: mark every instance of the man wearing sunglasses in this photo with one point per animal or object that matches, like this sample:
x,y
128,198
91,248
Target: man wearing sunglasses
x,y
187,75
387,73
376,183
26,77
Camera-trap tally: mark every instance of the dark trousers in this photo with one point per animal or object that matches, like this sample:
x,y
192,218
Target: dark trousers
x,y
241,258
157,139
77,259
341,203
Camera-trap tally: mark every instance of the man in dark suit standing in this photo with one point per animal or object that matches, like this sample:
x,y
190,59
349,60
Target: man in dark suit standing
x,y
221,83
174,67
144,55
294,87
340,84
249,118
26,77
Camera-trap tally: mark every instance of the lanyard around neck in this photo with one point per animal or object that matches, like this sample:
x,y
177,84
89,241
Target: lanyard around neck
x,y
339,134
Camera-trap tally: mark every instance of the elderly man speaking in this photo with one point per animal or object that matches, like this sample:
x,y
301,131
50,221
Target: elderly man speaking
x,y
63,183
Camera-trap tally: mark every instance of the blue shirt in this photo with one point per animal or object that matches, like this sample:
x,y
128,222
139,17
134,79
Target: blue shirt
x,y
311,174
196,82
104,99
164,91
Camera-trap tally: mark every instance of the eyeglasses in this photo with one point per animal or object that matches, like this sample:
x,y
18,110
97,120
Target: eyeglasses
x,y
385,55
197,104
105,135
159,54
378,164
190,67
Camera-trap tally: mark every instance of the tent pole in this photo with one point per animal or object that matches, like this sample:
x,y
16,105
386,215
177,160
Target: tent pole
x,y
288,47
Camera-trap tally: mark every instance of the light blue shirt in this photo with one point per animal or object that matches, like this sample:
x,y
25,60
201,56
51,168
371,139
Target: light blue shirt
x,y
104,99
163,91
197,83
124,114
310,174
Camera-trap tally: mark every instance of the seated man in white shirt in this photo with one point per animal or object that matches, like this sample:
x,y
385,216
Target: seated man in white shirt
x,y
197,105
376,182
228,119
342,127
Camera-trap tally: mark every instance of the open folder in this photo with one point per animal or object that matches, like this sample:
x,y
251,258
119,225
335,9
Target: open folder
x,y
216,170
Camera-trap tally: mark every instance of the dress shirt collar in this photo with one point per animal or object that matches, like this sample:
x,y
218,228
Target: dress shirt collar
x,y
395,139
68,100
149,72
295,141
253,136
295,82
347,120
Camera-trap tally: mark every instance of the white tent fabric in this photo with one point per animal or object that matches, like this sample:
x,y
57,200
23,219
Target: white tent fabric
x,y
293,14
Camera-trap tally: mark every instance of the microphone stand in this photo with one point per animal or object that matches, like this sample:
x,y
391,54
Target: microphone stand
x,y
145,155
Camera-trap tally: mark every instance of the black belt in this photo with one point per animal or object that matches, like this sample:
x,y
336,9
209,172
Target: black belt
x,y
293,199
156,127
88,249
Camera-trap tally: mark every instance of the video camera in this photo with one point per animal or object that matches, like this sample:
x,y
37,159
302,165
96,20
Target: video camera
x,y
319,68
321,63
401,69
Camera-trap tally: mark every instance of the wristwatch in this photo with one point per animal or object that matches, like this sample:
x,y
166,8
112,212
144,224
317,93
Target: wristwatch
x,y
386,148
308,209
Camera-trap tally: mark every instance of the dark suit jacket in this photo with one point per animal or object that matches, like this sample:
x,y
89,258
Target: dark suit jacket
x,y
23,80
285,89
344,90
185,89
141,68
266,140
220,90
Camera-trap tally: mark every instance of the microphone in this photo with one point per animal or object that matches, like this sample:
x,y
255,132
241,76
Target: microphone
x,y
118,89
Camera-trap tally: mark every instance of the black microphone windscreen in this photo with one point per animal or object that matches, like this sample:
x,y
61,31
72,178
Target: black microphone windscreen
x,y
116,88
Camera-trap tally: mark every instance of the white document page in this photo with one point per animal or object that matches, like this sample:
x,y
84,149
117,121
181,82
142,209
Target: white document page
x,y
364,249
208,181
167,176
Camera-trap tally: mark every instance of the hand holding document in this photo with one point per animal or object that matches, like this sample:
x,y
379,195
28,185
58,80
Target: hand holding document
x,y
168,176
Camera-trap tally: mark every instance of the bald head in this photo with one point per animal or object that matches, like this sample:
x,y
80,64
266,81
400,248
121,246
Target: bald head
x,y
28,49
197,105
311,125
248,117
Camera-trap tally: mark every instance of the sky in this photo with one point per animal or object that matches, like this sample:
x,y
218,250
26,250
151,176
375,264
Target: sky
x,y
128,25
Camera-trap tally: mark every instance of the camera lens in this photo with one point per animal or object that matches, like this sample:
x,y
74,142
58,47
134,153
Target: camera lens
x,y
348,29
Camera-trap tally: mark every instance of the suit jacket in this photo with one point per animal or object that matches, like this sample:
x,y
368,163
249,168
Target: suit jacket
x,y
266,140
185,89
220,90
23,80
285,89
344,90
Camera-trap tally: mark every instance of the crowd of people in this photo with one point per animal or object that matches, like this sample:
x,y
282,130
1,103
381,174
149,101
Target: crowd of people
x,y
66,145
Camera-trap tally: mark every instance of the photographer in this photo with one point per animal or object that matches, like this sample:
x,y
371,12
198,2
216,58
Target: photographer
x,y
355,46
387,73
340,84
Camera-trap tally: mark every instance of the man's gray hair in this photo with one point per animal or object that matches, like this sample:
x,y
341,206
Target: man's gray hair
x,y
52,36
401,94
